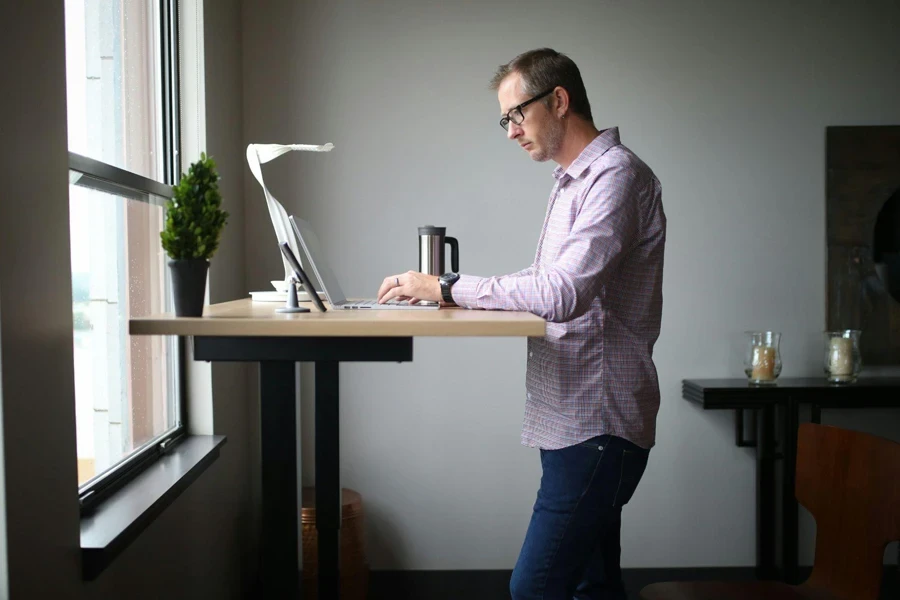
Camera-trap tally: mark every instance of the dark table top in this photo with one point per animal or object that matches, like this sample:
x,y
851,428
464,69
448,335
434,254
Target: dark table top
x,y
869,392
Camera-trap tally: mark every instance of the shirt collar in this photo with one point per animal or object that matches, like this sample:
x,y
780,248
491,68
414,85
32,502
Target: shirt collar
x,y
598,146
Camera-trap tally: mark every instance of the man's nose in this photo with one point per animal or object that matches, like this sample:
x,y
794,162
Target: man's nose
x,y
514,131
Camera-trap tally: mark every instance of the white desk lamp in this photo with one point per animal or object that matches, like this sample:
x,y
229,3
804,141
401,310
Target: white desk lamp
x,y
258,154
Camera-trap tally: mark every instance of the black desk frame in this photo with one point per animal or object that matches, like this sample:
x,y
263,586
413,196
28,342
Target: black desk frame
x,y
764,404
277,358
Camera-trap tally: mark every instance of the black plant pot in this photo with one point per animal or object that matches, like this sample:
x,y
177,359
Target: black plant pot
x,y
189,285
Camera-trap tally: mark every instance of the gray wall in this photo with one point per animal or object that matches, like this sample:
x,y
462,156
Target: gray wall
x,y
201,546
234,412
35,292
728,102
4,570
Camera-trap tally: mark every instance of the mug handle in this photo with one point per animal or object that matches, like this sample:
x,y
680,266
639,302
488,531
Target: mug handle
x,y
454,253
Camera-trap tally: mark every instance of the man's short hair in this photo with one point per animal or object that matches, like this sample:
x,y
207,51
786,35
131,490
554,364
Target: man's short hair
x,y
544,69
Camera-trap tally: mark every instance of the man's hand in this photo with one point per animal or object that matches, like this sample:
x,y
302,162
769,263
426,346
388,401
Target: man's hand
x,y
412,286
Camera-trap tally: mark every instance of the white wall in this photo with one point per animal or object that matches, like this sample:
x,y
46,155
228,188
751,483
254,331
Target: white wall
x,y
198,548
728,102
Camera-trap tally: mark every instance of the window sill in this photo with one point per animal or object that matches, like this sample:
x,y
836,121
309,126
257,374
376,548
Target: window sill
x,y
121,518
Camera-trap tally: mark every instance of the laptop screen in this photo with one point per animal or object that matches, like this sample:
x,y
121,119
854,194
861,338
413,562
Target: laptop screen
x,y
313,250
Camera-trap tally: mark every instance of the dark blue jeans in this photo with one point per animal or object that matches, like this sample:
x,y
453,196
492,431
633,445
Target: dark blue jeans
x,y
571,549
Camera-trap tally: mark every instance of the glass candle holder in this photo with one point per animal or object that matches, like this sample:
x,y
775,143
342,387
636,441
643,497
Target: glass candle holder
x,y
842,356
762,361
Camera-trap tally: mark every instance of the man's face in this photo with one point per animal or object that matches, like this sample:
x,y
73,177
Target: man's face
x,y
540,133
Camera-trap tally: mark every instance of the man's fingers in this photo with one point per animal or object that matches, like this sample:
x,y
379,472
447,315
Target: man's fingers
x,y
387,285
383,288
392,293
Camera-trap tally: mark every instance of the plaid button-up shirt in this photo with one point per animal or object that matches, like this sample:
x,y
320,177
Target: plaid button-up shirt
x,y
597,279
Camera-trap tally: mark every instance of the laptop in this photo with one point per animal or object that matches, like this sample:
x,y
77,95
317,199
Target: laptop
x,y
313,250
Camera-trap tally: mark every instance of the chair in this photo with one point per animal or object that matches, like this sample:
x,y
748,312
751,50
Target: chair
x,y
850,482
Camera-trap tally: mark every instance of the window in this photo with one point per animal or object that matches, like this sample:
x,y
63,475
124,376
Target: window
x,y
122,96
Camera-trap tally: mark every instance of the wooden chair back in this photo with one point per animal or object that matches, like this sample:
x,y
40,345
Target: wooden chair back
x,y
850,482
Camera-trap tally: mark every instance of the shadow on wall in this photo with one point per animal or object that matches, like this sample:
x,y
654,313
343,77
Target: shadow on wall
x,y
383,537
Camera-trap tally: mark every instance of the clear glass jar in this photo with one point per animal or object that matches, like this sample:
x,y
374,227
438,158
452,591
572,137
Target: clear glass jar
x,y
762,360
842,356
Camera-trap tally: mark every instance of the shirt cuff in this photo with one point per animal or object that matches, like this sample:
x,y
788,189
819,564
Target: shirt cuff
x,y
464,291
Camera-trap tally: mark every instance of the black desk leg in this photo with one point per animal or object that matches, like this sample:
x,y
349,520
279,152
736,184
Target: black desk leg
x,y
328,478
789,518
765,494
279,571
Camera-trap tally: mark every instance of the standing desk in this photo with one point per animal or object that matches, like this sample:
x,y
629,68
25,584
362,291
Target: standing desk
x,y
247,331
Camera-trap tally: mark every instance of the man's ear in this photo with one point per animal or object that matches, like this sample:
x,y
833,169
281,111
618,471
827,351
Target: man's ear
x,y
562,101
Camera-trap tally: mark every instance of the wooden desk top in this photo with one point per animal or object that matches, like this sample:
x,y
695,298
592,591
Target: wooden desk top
x,y
247,318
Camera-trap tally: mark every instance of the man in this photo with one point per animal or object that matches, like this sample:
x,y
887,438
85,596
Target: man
x,y
592,392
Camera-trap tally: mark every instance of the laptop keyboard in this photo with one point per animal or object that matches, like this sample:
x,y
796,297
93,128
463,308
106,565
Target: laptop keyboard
x,y
371,303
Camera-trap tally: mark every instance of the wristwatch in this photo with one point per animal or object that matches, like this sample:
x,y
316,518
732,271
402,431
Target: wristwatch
x,y
447,280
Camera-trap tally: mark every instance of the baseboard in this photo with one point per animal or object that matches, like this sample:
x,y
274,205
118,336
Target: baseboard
x,y
494,585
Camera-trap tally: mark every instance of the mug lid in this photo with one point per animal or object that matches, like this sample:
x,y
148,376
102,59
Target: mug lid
x,y
432,230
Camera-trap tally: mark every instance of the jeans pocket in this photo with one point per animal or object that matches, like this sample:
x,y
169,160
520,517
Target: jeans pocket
x,y
595,443
632,469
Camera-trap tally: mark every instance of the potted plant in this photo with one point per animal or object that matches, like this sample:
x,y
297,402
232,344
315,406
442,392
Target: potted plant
x,y
194,222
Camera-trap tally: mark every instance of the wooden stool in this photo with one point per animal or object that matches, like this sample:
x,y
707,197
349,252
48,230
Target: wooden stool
x,y
354,566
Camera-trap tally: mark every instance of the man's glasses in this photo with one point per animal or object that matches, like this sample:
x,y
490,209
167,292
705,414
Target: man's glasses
x,y
515,114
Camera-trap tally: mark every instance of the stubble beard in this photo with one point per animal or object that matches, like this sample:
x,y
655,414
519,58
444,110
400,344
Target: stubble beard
x,y
551,143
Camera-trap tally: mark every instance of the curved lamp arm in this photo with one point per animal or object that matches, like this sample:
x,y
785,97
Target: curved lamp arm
x,y
258,154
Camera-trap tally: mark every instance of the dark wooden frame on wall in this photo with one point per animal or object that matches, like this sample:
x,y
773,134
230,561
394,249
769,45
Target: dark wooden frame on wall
x,y
863,174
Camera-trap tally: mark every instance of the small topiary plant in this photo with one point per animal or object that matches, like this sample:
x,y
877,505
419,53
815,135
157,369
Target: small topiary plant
x,y
194,217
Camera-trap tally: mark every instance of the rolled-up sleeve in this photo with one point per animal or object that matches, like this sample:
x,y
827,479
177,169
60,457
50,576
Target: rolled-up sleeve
x,y
605,228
